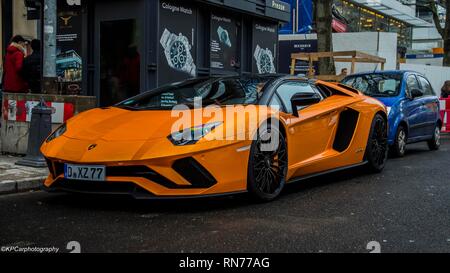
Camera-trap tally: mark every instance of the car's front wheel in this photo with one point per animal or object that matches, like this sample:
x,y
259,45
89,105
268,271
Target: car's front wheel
x,y
401,140
377,147
435,143
267,165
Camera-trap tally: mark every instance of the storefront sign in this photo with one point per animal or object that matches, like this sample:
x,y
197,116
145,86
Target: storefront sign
x,y
278,5
295,46
265,47
177,32
69,44
224,37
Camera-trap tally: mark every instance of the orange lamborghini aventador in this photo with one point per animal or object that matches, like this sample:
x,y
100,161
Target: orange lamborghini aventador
x,y
183,140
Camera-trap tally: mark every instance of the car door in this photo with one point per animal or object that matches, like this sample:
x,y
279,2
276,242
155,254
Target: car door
x,y
430,109
311,133
413,108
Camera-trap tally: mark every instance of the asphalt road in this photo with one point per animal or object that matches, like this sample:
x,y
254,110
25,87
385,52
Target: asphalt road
x,y
405,209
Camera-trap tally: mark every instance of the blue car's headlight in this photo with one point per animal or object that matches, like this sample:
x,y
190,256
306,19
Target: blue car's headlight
x,y
57,133
192,135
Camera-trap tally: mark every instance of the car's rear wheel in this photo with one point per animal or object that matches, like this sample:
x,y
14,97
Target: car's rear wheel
x,y
377,147
435,143
267,165
401,140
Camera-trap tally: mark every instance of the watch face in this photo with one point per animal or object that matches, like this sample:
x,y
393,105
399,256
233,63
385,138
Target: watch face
x,y
178,54
265,64
223,37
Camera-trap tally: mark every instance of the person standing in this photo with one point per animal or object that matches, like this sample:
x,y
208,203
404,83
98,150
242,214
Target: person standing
x,y
445,91
31,69
12,67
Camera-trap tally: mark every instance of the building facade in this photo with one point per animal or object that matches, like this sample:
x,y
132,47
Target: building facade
x,y
116,49
368,16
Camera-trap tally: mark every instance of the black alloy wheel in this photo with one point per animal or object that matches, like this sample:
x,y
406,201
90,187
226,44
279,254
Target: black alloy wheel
x,y
268,165
377,147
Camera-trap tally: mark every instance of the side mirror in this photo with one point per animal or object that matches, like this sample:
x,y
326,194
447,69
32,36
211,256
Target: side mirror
x,y
416,93
302,99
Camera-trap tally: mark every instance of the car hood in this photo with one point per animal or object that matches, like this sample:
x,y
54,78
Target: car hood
x,y
115,124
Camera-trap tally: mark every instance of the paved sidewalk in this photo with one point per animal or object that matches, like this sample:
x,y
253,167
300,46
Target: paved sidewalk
x,y
15,178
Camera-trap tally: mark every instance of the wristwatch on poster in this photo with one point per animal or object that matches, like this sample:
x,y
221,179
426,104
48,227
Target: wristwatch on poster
x,y
224,36
264,60
178,52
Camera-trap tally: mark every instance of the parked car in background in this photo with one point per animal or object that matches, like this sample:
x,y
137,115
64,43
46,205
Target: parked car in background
x,y
413,106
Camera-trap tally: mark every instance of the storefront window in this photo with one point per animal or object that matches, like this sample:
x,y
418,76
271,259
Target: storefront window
x,y
119,61
382,23
350,12
361,19
367,20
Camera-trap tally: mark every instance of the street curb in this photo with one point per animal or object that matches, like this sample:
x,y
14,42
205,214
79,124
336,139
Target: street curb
x,y
11,187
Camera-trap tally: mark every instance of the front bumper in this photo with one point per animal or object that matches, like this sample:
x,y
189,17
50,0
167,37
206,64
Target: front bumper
x,y
209,173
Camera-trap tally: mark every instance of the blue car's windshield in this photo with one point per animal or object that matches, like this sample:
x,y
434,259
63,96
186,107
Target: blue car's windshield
x,y
376,84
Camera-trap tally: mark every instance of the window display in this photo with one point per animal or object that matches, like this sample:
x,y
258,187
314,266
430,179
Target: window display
x,y
177,42
224,38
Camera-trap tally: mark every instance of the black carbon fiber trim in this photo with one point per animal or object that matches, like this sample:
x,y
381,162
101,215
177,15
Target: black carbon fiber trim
x,y
194,173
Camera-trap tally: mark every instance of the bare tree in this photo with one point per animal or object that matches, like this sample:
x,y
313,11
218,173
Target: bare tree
x,y
443,31
323,21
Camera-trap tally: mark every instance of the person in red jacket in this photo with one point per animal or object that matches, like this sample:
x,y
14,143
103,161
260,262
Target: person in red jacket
x,y
12,67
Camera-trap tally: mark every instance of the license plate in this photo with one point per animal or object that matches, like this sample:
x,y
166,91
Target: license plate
x,y
85,172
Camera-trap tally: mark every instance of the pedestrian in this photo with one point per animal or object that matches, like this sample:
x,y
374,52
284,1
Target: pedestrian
x,y
445,91
12,66
344,72
31,70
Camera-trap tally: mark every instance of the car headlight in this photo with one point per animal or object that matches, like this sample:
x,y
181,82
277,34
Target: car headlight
x,y
57,133
192,135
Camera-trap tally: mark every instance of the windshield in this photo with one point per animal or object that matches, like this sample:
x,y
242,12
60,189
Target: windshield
x,y
211,91
376,85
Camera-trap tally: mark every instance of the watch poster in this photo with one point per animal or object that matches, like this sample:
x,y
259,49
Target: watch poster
x,y
223,51
177,34
265,48
69,46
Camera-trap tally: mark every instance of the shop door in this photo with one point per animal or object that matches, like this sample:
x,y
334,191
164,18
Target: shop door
x,y
118,51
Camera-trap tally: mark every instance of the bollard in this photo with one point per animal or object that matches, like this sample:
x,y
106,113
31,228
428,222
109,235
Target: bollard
x,y
40,129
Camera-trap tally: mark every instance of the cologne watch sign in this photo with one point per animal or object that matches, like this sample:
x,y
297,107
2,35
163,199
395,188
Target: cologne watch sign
x,y
224,37
177,41
265,47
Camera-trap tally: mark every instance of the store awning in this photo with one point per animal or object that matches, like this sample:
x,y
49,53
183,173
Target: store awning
x,y
395,9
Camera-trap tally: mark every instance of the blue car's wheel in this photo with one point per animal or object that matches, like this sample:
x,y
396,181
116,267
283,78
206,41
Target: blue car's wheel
x,y
435,143
401,139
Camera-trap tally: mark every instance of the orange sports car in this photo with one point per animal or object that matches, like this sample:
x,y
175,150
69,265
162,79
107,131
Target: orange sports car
x,y
218,135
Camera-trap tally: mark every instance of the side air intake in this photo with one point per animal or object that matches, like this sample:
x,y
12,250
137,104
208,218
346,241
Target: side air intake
x,y
348,121
194,173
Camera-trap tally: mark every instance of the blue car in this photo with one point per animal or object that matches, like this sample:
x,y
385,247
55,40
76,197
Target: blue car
x,y
413,107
